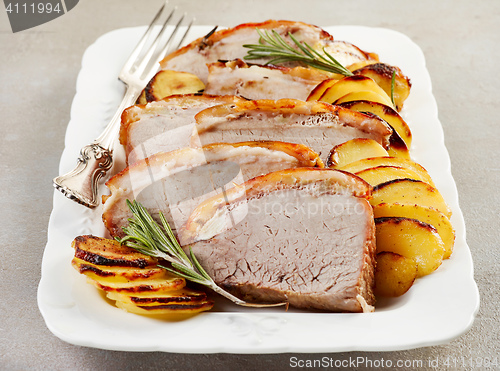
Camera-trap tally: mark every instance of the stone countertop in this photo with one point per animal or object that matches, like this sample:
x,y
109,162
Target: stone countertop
x,y
38,71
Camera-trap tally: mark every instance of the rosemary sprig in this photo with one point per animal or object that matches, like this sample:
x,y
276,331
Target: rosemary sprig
x,y
272,45
393,84
145,235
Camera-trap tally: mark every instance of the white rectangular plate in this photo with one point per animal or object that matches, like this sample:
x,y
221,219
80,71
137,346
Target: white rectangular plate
x,y
438,308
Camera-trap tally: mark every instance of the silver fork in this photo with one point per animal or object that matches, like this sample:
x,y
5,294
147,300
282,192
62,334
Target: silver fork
x,y
96,159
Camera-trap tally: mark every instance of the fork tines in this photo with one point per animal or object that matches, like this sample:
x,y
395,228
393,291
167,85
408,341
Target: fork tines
x,y
157,42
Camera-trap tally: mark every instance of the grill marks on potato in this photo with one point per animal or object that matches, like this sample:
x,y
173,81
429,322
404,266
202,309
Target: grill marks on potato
x,y
414,232
409,191
95,251
134,280
411,238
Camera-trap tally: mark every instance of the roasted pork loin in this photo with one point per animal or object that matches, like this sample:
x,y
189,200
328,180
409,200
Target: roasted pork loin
x,y
262,82
302,236
318,125
176,182
228,45
165,125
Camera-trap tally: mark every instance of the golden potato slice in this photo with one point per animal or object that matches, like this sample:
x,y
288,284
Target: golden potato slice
x,y
160,297
163,302
381,174
360,64
367,163
394,274
382,73
134,280
142,98
424,214
386,113
413,239
363,95
169,282
353,84
105,273
354,150
102,251
409,192
397,146
173,311
166,83
318,91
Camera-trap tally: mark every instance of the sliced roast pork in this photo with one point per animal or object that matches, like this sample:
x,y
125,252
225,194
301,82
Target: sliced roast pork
x,y
302,236
318,125
228,45
262,82
176,182
164,125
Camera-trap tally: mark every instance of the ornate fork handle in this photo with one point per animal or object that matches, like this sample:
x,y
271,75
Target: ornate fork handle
x,y
95,160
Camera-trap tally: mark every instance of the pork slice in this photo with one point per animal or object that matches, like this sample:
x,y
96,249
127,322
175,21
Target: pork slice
x,y
318,125
164,125
262,82
228,45
176,182
302,236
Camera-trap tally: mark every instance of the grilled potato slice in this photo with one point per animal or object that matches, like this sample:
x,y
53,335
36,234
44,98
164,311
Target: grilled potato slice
x,y
424,214
161,297
172,302
318,91
382,73
356,66
354,150
367,163
174,311
381,174
102,251
353,84
397,146
413,239
103,273
134,281
166,83
363,95
394,274
409,192
168,282
386,113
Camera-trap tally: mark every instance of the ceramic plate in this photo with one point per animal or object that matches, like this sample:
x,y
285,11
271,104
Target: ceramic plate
x,y
438,308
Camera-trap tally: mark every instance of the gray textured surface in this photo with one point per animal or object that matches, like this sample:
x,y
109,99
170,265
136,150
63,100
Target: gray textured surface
x,y
38,70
